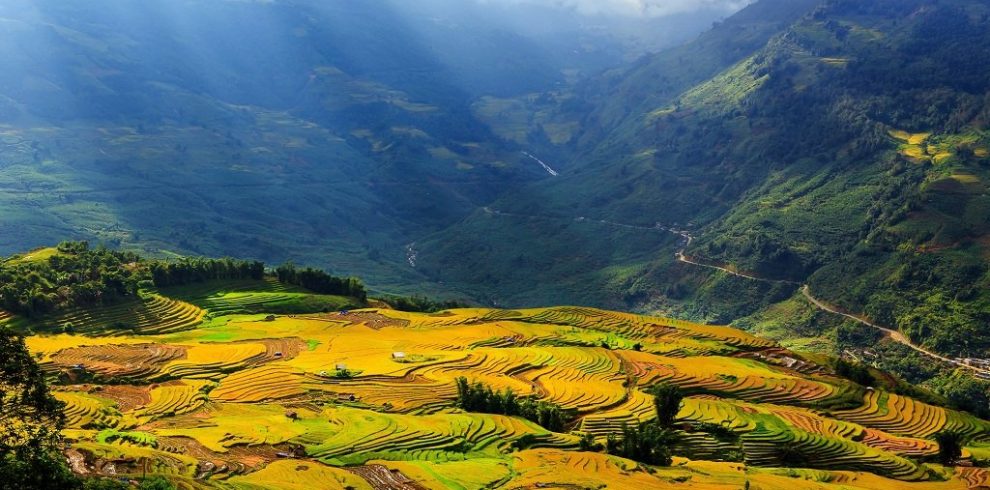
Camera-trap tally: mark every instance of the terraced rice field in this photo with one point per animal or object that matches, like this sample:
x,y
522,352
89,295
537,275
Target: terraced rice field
x,y
366,400
231,297
174,399
151,315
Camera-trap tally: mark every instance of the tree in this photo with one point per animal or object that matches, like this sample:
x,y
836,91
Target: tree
x,y
667,401
854,371
104,484
156,483
791,455
967,393
647,443
588,443
30,420
949,447
479,397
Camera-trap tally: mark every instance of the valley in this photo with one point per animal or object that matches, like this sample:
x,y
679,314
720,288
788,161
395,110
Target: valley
x,y
495,244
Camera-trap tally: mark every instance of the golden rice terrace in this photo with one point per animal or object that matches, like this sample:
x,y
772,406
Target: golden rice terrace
x,y
367,399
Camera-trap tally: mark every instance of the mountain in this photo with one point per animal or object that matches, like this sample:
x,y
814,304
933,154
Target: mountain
x,y
328,133
839,144
123,128
813,171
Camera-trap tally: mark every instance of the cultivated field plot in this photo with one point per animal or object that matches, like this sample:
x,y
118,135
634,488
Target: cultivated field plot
x,y
215,398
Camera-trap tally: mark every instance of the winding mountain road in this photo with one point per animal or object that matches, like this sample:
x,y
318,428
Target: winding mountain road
x,y
682,257
685,259
890,333
894,335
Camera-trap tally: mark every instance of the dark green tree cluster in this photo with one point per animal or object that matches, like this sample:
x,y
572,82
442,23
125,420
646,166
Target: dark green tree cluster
x,y
422,304
194,270
320,282
76,276
950,445
650,442
667,400
479,397
965,392
152,483
30,420
854,371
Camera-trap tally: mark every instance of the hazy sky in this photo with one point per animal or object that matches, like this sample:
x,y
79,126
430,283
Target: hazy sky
x,y
652,8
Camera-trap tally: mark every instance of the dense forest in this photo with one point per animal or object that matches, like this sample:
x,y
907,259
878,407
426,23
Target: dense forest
x,y
77,275
320,282
188,271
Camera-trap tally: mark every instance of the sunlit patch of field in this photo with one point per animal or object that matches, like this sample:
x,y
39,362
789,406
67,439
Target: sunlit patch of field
x,y
968,180
266,383
905,416
469,474
356,436
136,459
224,425
940,149
174,398
48,345
829,443
38,255
89,411
256,327
562,469
910,138
210,360
912,144
248,296
839,62
299,475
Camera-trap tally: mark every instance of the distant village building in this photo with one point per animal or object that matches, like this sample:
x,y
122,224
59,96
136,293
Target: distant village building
x,y
398,355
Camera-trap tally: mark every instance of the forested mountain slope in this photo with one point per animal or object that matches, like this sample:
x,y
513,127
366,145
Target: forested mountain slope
x,y
848,151
330,133
228,127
